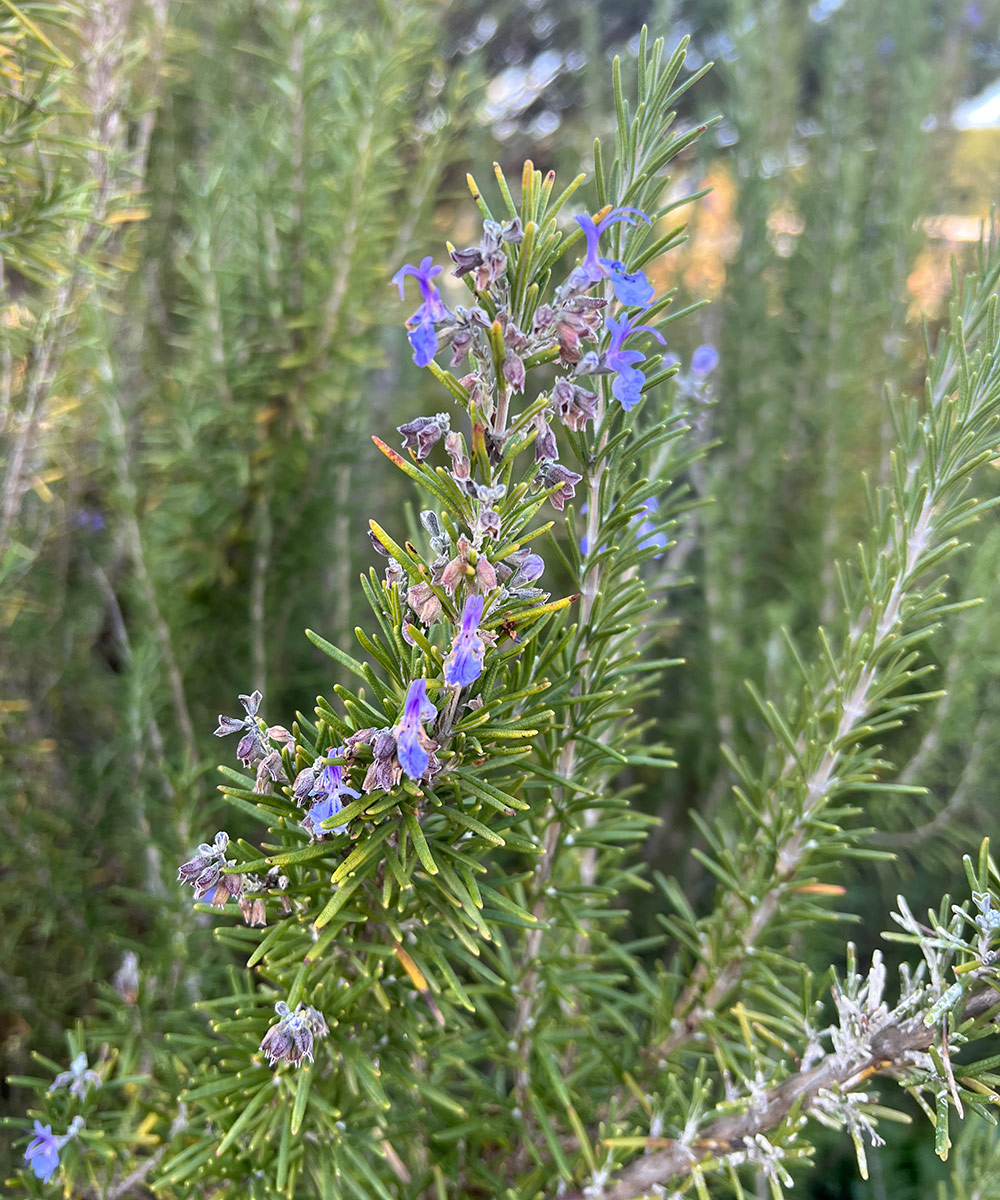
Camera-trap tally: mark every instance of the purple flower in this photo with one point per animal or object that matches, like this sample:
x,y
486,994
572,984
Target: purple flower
x,y
546,446
292,1038
633,290
269,769
704,360
529,567
590,270
90,519
78,1078
252,745
422,335
627,388
488,259
328,786
433,304
425,603
974,15
385,771
574,405
43,1152
464,664
413,746
423,339
205,872
556,475
422,433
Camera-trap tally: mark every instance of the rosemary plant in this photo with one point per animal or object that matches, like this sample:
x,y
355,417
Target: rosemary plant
x,y
421,981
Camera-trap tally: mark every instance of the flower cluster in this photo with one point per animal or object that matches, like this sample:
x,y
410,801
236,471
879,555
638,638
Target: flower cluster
x,y
205,872
207,875
561,329
323,784
478,575
487,260
292,1039
253,748
251,745
574,317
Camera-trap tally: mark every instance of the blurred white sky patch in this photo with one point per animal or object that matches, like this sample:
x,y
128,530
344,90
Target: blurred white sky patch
x,y
981,112
517,87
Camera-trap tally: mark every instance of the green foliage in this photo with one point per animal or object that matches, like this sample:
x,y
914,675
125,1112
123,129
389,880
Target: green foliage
x,y
176,409
194,362
277,235
76,142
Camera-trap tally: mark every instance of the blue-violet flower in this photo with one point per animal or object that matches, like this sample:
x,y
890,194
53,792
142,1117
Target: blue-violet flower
x,y
627,388
632,289
422,336
591,269
528,567
464,664
413,746
704,360
328,787
43,1152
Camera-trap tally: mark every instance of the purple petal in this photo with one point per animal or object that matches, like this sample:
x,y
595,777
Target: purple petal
x,y
627,388
633,290
43,1152
424,341
413,758
622,214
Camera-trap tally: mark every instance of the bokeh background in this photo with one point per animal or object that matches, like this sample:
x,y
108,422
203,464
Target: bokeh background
x,y
200,210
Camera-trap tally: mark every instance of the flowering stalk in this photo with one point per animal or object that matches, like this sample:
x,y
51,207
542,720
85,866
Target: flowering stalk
x,y
387,805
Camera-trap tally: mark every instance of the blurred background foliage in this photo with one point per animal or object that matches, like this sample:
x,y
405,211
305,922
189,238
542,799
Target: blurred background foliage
x,y
200,209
